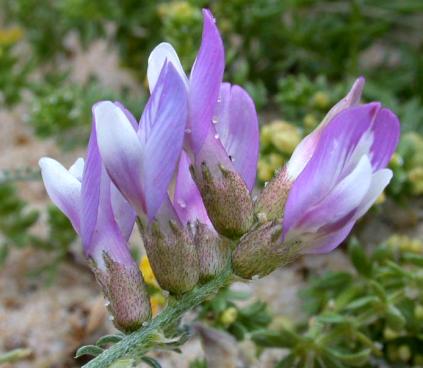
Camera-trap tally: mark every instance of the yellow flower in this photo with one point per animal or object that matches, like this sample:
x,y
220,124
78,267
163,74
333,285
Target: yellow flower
x,y
157,301
266,135
229,316
264,171
405,243
147,272
310,121
404,353
275,161
321,100
176,9
389,334
381,199
396,160
416,178
418,312
9,36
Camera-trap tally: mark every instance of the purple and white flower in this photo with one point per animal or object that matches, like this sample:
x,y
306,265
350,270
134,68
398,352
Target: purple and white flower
x,y
221,134
332,179
342,179
104,221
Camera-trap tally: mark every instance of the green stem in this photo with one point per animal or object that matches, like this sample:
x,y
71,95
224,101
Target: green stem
x,y
138,342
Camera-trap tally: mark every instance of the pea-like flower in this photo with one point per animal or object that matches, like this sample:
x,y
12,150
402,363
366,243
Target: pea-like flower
x,y
332,179
104,220
221,134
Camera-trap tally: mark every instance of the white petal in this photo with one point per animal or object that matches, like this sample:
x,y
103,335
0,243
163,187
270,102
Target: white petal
x,y
380,180
121,151
63,188
77,168
342,200
156,60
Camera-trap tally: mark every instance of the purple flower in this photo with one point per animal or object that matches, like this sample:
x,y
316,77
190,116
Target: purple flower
x,y
104,220
222,132
333,177
343,177
141,159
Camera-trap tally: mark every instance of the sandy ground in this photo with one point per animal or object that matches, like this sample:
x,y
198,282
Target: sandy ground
x,y
54,321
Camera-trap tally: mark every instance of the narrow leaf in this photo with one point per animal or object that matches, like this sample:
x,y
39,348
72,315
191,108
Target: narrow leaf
x,y
153,363
108,339
88,350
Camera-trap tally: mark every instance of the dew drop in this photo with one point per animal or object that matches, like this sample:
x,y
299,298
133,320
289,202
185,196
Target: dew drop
x,y
216,136
219,99
255,277
215,120
145,323
182,204
107,303
265,183
188,131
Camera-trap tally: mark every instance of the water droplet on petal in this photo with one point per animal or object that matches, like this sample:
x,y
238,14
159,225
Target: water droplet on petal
x,y
216,136
181,203
215,120
188,131
219,99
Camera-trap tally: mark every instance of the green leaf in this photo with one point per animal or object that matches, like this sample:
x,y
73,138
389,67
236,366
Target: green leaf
x,y
332,318
362,302
268,338
153,363
413,258
359,259
108,339
378,289
88,350
352,359
123,363
394,318
287,362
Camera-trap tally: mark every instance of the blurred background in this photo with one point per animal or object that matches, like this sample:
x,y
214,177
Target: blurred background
x,y
296,58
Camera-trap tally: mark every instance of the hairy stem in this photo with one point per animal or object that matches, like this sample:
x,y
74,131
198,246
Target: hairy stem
x,y
138,342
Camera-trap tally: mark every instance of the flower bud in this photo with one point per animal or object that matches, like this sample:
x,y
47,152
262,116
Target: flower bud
x,y
261,251
272,199
213,251
124,288
173,257
227,200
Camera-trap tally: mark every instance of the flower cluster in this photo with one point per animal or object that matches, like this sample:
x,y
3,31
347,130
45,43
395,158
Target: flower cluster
x,y
186,172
